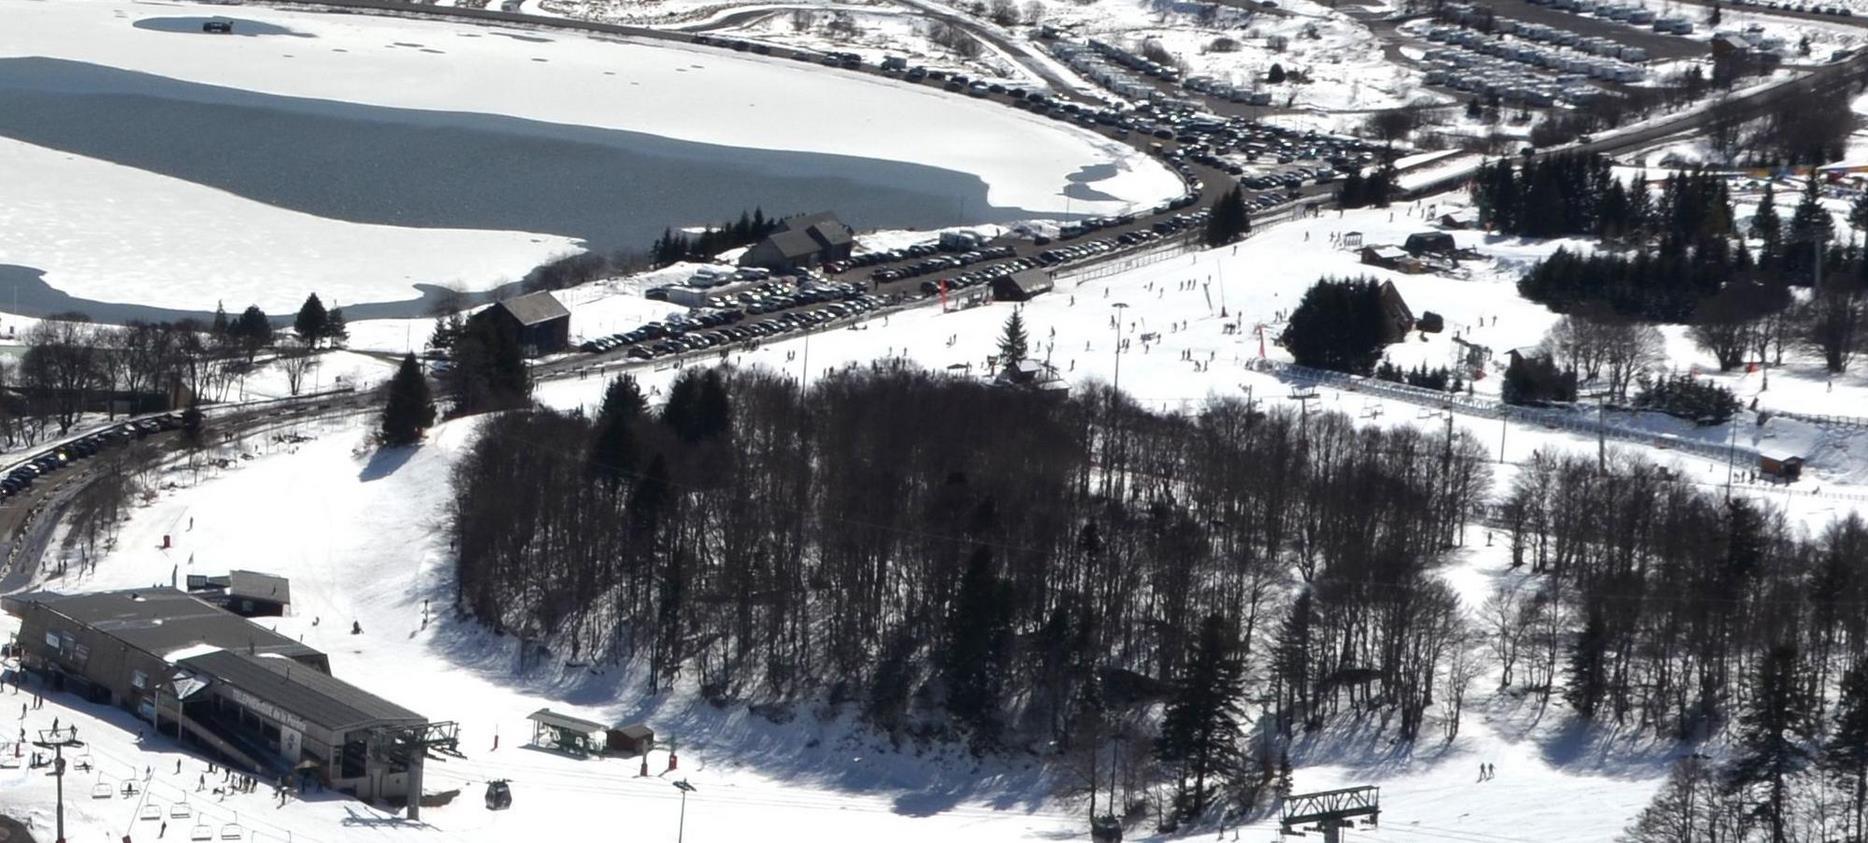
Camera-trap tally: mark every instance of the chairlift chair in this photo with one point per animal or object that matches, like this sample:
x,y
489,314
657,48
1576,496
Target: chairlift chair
x,y
233,831
150,811
180,810
201,832
102,790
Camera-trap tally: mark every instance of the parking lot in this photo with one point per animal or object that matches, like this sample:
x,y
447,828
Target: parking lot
x,y
56,457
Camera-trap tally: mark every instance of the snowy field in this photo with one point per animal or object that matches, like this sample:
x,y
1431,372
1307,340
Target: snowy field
x,y
112,233
356,516
105,233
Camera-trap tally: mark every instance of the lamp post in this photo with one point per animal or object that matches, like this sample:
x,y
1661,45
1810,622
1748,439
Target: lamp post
x,y
1119,306
685,789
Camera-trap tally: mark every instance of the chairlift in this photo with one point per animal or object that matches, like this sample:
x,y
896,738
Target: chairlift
x,y
180,811
233,831
102,790
150,811
201,832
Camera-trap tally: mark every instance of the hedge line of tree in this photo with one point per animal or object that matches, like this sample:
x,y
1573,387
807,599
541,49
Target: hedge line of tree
x,y
675,246
957,559
1665,609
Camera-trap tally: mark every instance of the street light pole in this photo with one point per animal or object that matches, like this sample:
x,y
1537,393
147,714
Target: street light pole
x,y
1119,306
681,828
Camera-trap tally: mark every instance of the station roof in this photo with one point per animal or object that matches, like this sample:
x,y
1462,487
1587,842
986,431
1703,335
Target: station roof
x,y
317,697
164,621
567,722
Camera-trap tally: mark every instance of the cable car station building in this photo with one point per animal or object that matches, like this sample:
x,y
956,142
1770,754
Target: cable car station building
x,y
255,699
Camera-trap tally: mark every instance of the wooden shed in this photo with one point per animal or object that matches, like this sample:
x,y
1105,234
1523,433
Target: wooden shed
x,y
631,739
1782,467
539,321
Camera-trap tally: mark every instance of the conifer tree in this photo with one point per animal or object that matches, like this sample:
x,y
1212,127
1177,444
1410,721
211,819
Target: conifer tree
x,y
1013,342
978,647
410,408
1845,755
335,328
221,328
310,323
1766,226
1200,729
1775,729
1337,326
251,332
613,450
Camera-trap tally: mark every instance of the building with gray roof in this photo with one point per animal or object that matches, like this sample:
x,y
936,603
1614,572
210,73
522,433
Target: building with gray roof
x,y
238,692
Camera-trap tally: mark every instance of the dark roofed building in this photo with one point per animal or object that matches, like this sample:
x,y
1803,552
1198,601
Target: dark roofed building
x,y
1430,243
254,699
319,699
539,320
1397,317
157,621
248,594
802,241
1021,285
631,739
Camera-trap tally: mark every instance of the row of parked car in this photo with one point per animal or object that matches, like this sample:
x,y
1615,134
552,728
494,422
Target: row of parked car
x,y
1806,8
56,458
942,262
978,277
793,321
771,297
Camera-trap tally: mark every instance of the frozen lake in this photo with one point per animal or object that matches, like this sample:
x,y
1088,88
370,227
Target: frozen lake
x,y
369,159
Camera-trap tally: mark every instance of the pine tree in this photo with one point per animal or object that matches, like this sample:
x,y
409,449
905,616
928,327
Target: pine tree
x,y
613,449
1811,226
1012,341
489,370
310,322
1766,226
1775,729
335,328
1845,756
409,409
698,408
1588,677
447,329
1858,213
1291,664
221,327
1228,219
1337,326
253,331
1200,729
1276,76
976,658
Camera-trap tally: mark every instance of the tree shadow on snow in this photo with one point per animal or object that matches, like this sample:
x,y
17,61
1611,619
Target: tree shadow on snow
x,y
385,462
1569,742
812,745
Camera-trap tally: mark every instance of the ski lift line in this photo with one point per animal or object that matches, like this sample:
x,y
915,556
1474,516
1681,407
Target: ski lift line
x,y
199,807
581,784
1446,833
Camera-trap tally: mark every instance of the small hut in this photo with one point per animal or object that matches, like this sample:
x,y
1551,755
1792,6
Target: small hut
x,y
631,739
1781,466
565,733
